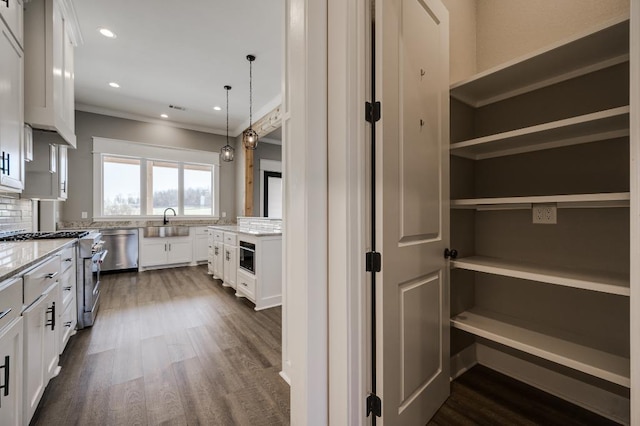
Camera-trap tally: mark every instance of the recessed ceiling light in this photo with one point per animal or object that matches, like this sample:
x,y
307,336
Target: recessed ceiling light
x,y
107,32
164,116
217,108
114,85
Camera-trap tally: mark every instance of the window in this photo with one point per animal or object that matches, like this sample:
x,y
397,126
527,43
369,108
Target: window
x,y
121,190
154,179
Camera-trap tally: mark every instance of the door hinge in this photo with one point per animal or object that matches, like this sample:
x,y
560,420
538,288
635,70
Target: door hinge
x,y
374,261
372,112
374,405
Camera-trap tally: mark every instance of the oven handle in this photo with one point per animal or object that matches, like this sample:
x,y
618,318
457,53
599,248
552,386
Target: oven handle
x,y
103,255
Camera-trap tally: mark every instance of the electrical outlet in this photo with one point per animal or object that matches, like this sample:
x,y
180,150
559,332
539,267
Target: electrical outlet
x,y
224,214
84,215
545,214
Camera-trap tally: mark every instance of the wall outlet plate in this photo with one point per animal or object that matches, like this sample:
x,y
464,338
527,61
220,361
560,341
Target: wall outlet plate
x,y
546,214
84,215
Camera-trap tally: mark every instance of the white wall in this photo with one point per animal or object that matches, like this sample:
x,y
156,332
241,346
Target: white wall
x,y
462,28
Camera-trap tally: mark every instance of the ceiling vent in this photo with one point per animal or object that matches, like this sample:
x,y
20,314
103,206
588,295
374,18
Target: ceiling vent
x,y
178,107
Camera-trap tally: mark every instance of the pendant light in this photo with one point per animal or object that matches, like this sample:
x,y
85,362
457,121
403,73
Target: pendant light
x,y
227,152
250,137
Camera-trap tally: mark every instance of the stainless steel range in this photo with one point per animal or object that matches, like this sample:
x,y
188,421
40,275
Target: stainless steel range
x,y
89,256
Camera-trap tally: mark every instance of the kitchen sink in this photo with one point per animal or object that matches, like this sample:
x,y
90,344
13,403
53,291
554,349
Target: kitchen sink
x,y
165,231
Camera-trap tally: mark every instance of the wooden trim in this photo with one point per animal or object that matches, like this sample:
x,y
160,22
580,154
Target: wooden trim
x,y
248,182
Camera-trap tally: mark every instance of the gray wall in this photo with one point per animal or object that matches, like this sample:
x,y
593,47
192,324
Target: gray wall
x,y
264,151
89,125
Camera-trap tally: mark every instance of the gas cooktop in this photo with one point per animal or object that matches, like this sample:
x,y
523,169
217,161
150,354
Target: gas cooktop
x,y
43,235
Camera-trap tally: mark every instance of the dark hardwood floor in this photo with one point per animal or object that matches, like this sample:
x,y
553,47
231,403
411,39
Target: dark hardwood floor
x,y
484,397
170,347
174,347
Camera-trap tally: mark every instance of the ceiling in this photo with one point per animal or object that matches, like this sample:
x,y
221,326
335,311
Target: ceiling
x,y
180,53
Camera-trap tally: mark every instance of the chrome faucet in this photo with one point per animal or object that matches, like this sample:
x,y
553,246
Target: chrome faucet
x,y
165,220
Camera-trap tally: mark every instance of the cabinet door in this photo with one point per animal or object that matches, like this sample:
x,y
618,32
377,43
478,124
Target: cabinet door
x,y
230,265
11,12
51,353
153,252
180,251
68,77
63,171
11,374
202,248
11,112
218,260
35,319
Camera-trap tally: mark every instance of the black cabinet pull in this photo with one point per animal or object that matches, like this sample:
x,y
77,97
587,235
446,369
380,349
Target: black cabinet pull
x,y
5,313
450,254
6,2
8,160
52,321
2,169
6,367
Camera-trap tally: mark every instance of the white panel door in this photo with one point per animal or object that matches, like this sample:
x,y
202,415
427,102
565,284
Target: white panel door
x,y
412,62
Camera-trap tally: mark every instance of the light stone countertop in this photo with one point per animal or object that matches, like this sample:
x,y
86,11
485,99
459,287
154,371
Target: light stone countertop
x,y
246,231
17,256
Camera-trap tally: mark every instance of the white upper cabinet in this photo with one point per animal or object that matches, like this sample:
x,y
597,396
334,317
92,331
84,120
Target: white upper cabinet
x,y
47,174
11,12
49,76
11,110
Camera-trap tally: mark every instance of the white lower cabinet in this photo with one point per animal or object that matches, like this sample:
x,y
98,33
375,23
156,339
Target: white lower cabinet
x,y
40,349
230,268
11,346
165,251
201,244
68,312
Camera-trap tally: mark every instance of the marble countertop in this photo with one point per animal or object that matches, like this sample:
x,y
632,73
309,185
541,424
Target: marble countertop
x,y
246,231
132,224
17,256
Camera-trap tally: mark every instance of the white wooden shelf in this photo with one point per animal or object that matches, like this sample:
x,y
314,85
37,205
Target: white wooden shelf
x,y
602,47
587,280
602,125
609,199
524,337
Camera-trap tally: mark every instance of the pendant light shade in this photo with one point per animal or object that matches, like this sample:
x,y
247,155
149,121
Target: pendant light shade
x,y
250,137
227,152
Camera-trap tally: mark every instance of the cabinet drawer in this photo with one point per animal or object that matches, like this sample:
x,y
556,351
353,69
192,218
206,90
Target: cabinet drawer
x,y
67,257
231,238
218,235
11,13
10,300
200,230
40,278
246,284
67,286
68,322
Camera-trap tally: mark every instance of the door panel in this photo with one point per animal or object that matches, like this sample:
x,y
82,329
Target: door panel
x,y
413,208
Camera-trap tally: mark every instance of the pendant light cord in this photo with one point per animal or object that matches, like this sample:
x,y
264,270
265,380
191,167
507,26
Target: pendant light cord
x,y
250,94
227,115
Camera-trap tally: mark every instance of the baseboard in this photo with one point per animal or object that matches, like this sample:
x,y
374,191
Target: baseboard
x,y
285,378
463,361
593,398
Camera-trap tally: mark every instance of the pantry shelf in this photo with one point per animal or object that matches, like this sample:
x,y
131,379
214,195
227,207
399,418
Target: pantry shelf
x,y
524,337
609,199
569,277
601,125
585,53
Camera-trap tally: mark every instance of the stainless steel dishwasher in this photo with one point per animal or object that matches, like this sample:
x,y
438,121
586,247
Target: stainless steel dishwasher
x,y
123,249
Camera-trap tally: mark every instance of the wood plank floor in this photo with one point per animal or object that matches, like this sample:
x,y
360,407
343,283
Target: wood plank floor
x,y
484,397
170,347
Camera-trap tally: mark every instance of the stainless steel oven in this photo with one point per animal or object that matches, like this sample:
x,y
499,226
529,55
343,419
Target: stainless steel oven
x,y
247,256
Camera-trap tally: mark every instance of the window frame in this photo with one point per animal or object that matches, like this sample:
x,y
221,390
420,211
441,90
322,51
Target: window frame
x,y
103,147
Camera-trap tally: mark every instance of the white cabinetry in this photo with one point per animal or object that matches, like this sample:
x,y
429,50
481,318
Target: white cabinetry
x,y
165,251
67,314
41,291
11,13
47,175
216,257
11,353
264,287
230,259
201,244
11,111
49,42
548,130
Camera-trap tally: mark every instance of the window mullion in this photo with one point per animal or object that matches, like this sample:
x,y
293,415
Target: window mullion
x,y
144,187
181,189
